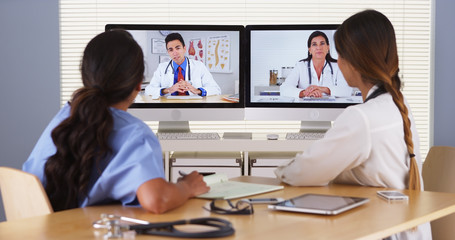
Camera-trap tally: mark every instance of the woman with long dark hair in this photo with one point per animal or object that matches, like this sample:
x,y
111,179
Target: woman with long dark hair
x,y
374,143
94,152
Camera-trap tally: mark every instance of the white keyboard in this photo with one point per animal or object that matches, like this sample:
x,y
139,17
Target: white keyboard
x,y
321,99
188,136
183,97
305,135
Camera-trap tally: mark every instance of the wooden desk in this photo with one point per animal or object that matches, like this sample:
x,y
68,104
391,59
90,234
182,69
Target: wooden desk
x,y
374,220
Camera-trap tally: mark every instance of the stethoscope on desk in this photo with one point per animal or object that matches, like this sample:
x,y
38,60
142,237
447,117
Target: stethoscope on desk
x,y
326,62
111,223
173,71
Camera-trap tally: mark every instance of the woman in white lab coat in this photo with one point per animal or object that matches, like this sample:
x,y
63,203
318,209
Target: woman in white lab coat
x,y
317,75
374,143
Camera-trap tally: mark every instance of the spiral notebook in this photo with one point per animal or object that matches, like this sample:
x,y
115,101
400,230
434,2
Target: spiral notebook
x,y
221,187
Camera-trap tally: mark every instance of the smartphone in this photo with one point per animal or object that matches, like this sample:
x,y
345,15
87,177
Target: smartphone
x,y
263,200
392,195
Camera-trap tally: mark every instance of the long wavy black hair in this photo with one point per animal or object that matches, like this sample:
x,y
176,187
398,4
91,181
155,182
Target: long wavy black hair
x,y
112,67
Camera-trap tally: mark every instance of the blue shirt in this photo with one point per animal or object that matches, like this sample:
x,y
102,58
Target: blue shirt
x,y
176,73
176,69
136,158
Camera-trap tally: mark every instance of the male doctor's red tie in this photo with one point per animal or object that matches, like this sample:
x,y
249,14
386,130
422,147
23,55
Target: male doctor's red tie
x,y
180,78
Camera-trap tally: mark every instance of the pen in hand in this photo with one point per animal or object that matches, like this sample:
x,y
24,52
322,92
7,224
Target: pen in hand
x,y
182,173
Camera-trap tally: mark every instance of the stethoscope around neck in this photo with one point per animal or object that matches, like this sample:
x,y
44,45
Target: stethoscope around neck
x,y
326,62
173,70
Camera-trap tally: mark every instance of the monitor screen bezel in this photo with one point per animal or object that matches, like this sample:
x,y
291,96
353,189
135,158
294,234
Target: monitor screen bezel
x,y
182,27
248,85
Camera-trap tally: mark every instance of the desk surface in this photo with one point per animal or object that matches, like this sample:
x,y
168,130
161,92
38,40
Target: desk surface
x,y
374,220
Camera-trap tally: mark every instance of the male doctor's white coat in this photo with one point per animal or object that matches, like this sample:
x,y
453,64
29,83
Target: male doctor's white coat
x,y
200,78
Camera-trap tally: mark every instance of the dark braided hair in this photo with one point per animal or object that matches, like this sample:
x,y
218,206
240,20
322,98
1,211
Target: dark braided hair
x,y
367,41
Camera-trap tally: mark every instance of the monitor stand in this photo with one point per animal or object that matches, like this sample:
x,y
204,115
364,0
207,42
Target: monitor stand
x,y
315,126
174,126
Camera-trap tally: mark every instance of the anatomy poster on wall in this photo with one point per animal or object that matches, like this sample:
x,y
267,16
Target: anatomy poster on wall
x,y
218,54
196,50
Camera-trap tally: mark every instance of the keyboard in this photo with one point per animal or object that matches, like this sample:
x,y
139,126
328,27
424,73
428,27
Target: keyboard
x,y
188,136
183,97
305,135
321,99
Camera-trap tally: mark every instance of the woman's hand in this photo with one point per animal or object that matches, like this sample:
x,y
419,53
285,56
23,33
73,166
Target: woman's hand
x,y
314,91
158,195
195,183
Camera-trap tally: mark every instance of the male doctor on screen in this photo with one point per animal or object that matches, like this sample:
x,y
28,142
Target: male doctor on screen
x,y
181,75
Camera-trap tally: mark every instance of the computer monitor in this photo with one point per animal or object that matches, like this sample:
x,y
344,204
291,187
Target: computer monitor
x,y
278,71
215,57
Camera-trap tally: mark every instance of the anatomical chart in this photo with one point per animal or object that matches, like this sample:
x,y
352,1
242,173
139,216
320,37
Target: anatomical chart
x,y
196,50
218,54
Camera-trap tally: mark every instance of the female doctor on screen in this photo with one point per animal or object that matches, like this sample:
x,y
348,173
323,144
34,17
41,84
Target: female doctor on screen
x,y
317,75
94,152
374,143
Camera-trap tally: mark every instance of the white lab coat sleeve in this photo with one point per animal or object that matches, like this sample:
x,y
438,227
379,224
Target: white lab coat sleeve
x,y
342,89
206,79
156,83
346,145
296,78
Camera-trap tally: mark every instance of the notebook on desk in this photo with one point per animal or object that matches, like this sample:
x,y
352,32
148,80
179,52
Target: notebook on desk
x,y
221,187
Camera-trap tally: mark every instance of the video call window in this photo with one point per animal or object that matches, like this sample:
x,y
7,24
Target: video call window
x,y
212,64
281,65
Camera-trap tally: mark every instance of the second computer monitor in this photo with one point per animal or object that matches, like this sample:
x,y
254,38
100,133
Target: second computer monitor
x,y
292,74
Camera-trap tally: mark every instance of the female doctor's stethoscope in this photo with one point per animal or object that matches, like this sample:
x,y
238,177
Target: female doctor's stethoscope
x,y
326,62
189,69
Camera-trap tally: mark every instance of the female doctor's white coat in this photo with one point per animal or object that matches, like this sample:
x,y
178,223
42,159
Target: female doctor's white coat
x,y
366,147
200,78
298,80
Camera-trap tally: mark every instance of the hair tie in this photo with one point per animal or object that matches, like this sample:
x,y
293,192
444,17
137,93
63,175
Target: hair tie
x,y
99,88
412,155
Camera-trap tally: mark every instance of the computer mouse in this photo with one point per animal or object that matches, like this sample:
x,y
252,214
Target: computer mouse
x,y
272,136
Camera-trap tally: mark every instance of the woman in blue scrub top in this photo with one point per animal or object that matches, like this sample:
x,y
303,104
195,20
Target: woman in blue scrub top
x,y
93,152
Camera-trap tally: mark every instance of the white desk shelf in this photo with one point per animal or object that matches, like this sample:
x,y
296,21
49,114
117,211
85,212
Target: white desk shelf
x,y
231,145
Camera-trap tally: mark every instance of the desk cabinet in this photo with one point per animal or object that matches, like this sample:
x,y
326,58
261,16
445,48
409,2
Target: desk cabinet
x,y
263,164
229,163
242,146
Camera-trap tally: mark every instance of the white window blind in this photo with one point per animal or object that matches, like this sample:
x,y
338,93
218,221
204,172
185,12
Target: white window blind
x,y
81,20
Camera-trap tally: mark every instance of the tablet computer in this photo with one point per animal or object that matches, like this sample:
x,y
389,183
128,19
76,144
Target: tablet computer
x,y
319,204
